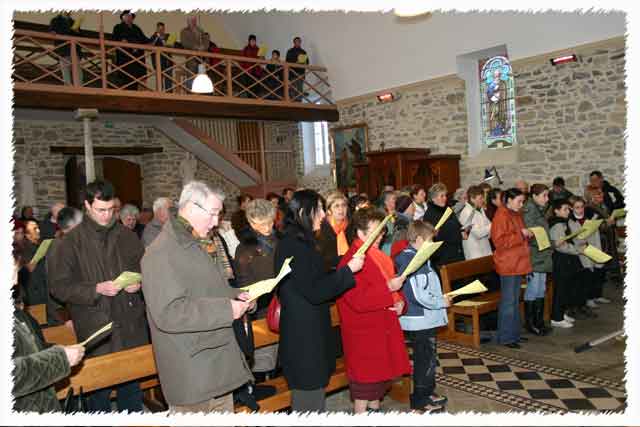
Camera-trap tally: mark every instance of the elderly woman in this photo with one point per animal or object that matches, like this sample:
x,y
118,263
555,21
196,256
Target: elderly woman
x,y
389,200
332,238
474,219
372,338
450,233
129,218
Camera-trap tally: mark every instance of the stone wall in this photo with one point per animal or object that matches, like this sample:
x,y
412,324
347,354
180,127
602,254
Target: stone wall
x,y
160,171
571,119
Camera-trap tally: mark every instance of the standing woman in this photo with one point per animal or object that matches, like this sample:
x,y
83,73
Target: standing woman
x,y
307,347
372,338
541,261
494,201
332,238
511,259
474,219
419,197
450,233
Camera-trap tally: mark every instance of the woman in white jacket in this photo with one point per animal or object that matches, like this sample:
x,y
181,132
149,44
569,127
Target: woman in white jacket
x,y
474,218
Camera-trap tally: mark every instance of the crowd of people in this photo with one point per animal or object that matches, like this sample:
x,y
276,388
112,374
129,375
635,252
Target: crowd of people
x,y
193,262
257,80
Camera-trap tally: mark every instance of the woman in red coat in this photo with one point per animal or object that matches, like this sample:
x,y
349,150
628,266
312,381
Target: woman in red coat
x,y
372,339
511,259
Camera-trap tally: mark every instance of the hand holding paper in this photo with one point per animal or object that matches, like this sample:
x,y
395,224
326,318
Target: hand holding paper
x,y
426,250
474,287
265,286
447,213
589,227
41,252
596,254
618,213
372,237
100,331
542,239
127,278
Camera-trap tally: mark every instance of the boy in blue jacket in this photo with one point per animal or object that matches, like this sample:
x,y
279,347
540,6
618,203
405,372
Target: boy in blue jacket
x,y
426,312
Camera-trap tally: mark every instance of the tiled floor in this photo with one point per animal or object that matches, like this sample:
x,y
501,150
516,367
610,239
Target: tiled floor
x,y
545,374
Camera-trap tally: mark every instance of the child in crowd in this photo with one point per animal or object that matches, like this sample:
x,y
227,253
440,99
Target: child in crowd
x,y
426,312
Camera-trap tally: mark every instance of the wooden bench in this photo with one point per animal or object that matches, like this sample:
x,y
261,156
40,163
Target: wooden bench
x,y
38,312
471,269
139,364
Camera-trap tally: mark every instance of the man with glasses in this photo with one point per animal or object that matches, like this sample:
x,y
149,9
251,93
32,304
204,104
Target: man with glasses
x,y
191,308
89,258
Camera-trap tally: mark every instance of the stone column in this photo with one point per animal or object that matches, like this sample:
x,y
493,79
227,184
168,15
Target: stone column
x,y
86,115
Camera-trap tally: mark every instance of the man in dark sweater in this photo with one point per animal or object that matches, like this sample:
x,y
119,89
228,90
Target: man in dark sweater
x,y
613,198
63,25
297,55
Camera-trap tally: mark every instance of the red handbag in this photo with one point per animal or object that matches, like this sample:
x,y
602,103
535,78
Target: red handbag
x,y
273,314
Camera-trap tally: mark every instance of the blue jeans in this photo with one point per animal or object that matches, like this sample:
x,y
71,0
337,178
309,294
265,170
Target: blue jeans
x,y
129,398
536,285
508,311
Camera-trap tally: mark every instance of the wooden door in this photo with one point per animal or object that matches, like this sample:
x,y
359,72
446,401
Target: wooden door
x,y
126,179
75,182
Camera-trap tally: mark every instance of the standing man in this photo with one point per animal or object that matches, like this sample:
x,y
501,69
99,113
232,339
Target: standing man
x,y
297,55
191,307
161,213
161,38
49,227
192,37
613,198
35,287
64,25
88,259
132,74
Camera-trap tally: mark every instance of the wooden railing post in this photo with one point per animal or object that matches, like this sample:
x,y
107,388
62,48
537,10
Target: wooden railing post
x,y
74,64
229,79
158,72
286,83
103,53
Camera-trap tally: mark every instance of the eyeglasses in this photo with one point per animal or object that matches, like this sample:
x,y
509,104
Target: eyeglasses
x,y
212,213
103,211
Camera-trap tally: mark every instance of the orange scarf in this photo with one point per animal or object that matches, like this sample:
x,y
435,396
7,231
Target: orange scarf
x,y
384,264
341,236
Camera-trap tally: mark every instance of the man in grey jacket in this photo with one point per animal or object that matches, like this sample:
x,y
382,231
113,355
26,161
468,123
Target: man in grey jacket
x,y
161,213
191,307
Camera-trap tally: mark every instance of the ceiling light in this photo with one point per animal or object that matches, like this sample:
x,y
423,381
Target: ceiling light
x,y
202,82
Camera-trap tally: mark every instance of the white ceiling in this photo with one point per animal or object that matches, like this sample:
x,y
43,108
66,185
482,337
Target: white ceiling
x,y
366,52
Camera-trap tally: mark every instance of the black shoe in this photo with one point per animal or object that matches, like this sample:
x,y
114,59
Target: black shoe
x,y
530,317
513,345
437,399
539,316
523,339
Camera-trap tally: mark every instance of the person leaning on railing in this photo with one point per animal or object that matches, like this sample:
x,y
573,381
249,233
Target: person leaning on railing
x,y
63,24
297,55
132,60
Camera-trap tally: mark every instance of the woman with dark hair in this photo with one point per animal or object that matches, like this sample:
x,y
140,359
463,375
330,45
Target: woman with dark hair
x,y
372,338
511,260
307,347
494,201
451,233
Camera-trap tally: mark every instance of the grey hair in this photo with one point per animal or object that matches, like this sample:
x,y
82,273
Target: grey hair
x,y
162,203
260,210
436,189
129,209
198,192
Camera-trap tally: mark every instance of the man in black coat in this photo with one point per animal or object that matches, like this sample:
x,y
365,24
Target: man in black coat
x,y
128,32
62,24
296,75
613,198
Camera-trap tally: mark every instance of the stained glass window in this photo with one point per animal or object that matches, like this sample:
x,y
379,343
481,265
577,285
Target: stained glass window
x,y
498,106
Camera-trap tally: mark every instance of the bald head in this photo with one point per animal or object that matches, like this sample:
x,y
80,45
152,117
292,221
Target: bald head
x,y
522,185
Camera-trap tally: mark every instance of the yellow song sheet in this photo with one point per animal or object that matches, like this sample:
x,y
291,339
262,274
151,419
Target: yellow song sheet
x,y
100,331
596,254
77,23
373,236
618,213
542,238
302,59
589,227
41,251
172,39
474,287
127,278
262,51
447,213
265,286
469,303
426,250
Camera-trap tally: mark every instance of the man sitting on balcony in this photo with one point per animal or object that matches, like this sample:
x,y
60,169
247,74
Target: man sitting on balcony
x,y
193,37
63,25
128,32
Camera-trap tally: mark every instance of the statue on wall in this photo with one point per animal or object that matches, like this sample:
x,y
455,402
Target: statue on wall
x,y
188,168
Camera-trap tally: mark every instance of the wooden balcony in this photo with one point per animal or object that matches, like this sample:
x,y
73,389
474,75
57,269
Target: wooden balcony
x,y
64,72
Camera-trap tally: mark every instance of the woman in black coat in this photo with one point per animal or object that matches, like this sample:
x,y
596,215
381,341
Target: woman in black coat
x,y
307,347
450,233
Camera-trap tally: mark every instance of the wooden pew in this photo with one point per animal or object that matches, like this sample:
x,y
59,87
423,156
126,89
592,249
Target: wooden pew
x,y
38,312
467,270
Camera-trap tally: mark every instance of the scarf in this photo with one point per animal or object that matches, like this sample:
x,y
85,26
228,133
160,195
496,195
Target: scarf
x,y
384,264
207,245
341,236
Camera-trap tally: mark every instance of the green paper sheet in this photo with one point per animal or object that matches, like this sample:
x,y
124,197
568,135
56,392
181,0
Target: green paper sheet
x,y
474,287
265,286
447,213
426,250
373,236
41,251
596,254
542,238
127,278
589,227
618,213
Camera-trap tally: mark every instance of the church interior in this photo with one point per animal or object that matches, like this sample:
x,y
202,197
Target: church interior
x,y
363,103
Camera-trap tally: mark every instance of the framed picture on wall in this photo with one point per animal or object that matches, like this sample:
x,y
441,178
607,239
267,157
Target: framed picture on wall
x,y
349,145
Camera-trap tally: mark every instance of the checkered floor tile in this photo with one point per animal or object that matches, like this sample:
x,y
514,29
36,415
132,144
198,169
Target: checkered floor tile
x,y
525,385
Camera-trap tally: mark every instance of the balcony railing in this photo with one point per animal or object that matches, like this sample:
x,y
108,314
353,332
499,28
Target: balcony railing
x,y
79,64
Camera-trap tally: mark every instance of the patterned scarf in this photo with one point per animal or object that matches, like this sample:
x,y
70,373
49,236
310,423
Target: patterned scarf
x,y
341,236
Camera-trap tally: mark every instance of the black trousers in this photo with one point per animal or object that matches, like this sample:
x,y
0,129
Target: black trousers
x,y
596,282
569,291
425,355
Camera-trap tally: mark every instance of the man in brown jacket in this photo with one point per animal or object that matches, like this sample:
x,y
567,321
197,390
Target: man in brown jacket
x,y
88,259
191,307
192,37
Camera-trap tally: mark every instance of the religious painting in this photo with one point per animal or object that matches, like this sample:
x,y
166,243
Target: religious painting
x,y
349,145
498,108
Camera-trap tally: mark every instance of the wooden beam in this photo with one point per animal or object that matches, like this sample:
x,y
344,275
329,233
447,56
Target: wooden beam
x,y
106,151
